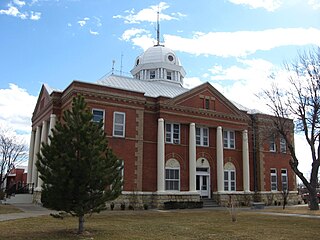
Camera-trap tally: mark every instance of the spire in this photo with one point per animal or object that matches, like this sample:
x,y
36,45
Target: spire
x,y
158,27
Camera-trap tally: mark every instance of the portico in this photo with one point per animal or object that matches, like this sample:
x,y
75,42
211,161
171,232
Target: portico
x,y
200,171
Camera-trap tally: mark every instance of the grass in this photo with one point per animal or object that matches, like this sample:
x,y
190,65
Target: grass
x,y
181,224
6,208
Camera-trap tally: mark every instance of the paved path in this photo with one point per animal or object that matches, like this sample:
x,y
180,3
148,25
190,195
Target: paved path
x,y
29,210
32,210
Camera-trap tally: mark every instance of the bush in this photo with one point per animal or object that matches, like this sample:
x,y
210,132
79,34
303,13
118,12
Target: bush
x,y
123,206
145,206
182,205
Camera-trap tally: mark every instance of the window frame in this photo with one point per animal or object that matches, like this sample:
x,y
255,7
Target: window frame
x,y
272,144
170,134
152,74
273,183
286,179
283,145
169,75
123,125
229,187
103,115
228,141
201,137
172,180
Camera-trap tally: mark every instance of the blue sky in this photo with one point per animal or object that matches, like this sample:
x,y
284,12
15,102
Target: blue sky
x,y
233,44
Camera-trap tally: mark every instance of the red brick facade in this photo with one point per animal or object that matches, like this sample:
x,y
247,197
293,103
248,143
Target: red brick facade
x,y
204,106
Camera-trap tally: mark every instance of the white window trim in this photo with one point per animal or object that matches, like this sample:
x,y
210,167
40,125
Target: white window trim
x,y
229,180
124,124
229,139
172,140
155,72
271,182
202,137
178,180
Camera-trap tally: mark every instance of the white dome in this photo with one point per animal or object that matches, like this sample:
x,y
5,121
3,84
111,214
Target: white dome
x,y
158,63
158,54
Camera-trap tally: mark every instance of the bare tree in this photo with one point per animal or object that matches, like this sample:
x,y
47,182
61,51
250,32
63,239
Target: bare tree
x,y
300,100
13,151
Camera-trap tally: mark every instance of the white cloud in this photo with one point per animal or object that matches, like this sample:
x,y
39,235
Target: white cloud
x,y
93,32
16,107
269,5
230,44
35,15
315,4
82,23
243,43
134,33
191,82
149,14
14,12
19,3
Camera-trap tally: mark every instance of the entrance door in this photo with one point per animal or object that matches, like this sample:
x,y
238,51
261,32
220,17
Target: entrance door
x,y
203,185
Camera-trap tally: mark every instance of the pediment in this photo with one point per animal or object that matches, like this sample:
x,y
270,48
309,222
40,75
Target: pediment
x,y
205,97
42,101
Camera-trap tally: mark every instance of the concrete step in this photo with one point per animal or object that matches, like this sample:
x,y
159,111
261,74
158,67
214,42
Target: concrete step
x,y
19,198
209,203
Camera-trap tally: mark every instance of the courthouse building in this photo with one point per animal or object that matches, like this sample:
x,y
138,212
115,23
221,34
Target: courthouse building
x,y
175,143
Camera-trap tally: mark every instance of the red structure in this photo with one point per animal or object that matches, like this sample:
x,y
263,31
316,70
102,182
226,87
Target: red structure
x,y
176,144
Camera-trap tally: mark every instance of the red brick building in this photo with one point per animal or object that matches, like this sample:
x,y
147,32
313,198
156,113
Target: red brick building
x,y
175,143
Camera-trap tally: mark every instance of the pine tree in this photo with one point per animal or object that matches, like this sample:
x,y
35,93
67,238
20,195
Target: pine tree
x,y
79,172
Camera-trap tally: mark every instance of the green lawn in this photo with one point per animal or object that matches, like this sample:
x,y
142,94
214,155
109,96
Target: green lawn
x,y
181,224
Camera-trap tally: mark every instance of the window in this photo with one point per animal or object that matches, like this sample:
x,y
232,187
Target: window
x,y
202,136
169,75
284,179
173,133
98,115
229,139
152,74
119,120
273,177
229,180
283,145
207,103
172,179
172,171
272,144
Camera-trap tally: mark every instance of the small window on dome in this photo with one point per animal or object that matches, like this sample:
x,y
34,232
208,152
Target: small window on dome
x,y
152,74
137,62
169,75
170,58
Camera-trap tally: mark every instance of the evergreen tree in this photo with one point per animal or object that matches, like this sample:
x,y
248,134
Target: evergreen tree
x,y
79,172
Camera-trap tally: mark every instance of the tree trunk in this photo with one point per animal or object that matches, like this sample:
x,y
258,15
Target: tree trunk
x,y
81,224
313,198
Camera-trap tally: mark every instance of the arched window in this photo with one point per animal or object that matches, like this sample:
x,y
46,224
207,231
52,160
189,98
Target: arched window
x,y
172,175
229,177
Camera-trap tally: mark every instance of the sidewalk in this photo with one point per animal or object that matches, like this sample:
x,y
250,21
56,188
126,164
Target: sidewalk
x,y
29,210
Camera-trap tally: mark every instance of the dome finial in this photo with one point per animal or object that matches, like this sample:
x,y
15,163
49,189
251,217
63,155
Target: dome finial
x,y
158,27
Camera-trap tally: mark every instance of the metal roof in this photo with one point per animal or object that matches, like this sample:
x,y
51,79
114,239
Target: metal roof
x,y
149,88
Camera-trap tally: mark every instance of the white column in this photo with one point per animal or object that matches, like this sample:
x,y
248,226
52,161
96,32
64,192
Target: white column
x,y
53,120
160,155
30,161
220,173
192,158
245,159
44,138
35,158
